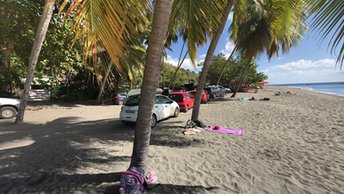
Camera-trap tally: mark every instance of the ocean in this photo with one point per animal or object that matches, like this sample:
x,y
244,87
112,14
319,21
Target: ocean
x,y
334,88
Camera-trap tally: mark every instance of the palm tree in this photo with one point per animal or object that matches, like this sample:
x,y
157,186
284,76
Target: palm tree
x,y
162,11
179,65
36,49
264,30
224,66
260,26
113,24
194,20
328,17
210,52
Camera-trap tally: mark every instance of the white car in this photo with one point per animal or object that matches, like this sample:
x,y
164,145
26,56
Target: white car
x,y
9,107
164,108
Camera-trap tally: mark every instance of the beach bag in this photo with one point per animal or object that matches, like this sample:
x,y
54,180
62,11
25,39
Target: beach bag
x,y
190,124
132,181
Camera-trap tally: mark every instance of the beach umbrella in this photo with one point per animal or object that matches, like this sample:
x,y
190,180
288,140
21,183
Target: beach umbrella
x,y
263,82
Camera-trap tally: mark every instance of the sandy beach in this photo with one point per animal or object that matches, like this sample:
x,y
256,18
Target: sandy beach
x,y
293,144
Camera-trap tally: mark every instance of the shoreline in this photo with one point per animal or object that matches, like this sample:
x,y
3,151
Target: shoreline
x,y
285,88
308,86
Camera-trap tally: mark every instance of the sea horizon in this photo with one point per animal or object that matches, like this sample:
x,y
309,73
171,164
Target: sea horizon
x,y
333,88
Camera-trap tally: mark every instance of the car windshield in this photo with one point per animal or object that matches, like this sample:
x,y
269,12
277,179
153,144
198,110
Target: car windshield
x,y
133,101
176,97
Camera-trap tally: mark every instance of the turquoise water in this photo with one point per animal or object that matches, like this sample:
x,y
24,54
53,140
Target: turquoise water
x,y
334,88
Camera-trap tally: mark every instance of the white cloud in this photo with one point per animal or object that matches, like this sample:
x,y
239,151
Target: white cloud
x,y
187,64
229,48
230,17
305,71
304,64
201,58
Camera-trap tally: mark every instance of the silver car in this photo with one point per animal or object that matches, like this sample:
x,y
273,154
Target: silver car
x,y
9,107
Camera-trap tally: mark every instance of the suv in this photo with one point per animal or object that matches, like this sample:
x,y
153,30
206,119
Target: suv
x,y
9,107
215,91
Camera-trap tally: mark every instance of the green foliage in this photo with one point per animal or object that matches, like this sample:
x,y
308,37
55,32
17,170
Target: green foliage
x,y
270,26
233,71
195,20
184,76
328,20
17,26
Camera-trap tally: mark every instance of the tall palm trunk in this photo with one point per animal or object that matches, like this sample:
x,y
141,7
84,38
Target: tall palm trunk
x,y
179,65
155,49
241,79
203,76
102,87
225,65
36,49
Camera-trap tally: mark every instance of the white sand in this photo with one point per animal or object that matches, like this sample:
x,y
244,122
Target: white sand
x,y
293,144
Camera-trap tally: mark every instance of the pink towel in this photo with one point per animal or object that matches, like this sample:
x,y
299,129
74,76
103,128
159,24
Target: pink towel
x,y
228,131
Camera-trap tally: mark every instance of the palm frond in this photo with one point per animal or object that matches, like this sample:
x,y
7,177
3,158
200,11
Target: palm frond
x,y
195,20
329,20
111,23
273,26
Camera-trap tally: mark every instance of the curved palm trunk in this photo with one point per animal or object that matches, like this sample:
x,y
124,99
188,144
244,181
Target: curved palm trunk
x,y
174,77
241,79
225,65
178,66
36,49
155,49
203,76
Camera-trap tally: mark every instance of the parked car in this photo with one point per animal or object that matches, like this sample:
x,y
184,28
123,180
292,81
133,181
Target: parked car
x,y
119,98
185,100
164,107
38,93
134,92
9,107
204,97
226,89
215,91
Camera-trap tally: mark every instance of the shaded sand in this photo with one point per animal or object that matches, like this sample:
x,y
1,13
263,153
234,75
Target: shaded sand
x,y
293,144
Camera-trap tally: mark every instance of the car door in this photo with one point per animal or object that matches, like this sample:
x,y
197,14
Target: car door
x,y
164,105
190,100
158,109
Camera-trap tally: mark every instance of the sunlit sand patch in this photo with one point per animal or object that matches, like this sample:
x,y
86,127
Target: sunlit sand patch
x,y
6,132
16,143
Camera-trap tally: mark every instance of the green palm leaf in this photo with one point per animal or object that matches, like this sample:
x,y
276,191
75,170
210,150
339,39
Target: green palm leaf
x,y
111,23
272,26
329,20
195,20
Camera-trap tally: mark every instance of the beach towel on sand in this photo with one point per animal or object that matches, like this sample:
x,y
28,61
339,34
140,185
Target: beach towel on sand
x,y
227,130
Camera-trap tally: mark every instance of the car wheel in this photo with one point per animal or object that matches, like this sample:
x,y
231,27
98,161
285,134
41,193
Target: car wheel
x,y
154,121
176,112
120,102
7,112
186,108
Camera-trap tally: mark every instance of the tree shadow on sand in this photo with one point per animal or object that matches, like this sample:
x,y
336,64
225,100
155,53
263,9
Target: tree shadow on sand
x,y
64,149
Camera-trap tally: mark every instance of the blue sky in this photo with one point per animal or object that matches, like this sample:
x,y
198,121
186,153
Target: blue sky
x,y
309,61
